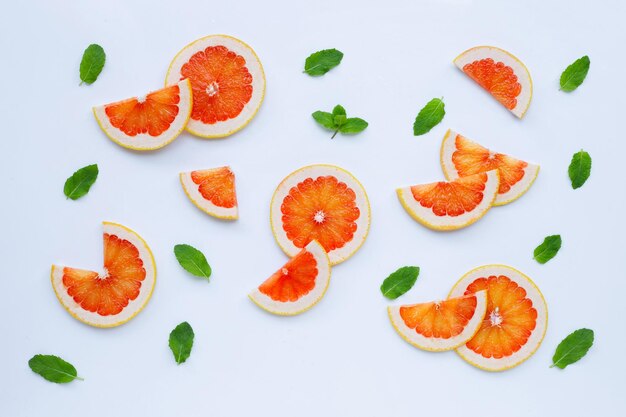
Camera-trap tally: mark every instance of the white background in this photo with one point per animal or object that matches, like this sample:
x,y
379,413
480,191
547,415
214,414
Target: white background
x,y
343,357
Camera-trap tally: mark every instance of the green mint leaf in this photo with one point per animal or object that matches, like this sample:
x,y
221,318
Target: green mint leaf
x,y
548,249
92,63
579,169
193,261
430,116
325,119
399,282
53,368
320,62
338,110
572,348
575,74
353,125
80,182
181,342
339,119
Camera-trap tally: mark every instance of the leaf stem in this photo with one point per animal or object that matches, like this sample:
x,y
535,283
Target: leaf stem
x,y
334,134
79,378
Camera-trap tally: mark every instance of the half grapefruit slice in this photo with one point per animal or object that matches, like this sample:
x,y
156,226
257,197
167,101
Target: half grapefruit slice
x,y
298,285
212,191
516,320
227,80
120,291
148,122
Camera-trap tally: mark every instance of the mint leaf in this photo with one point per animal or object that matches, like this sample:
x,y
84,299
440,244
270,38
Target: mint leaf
x,y
353,125
181,342
325,119
339,110
193,261
80,182
579,169
339,121
320,62
572,348
92,63
575,74
430,116
548,249
399,282
339,115
53,368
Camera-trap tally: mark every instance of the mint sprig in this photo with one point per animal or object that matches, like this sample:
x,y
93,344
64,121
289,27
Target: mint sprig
x,y
53,369
320,62
399,282
193,261
548,249
80,182
579,169
430,116
575,74
339,122
572,348
92,63
181,342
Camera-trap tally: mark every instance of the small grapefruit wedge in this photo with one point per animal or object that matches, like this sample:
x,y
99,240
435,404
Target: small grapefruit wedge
x,y
227,80
442,325
148,122
451,205
120,291
504,76
323,203
516,319
212,191
298,285
461,157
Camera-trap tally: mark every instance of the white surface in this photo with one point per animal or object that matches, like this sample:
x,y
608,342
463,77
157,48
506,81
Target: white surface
x,y
343,357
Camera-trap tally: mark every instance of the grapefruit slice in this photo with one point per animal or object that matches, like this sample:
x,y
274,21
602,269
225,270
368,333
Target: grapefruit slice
x,y
516,319
212,191
504,76
451,205
120,291
442,325
461,157
298,285
148,122
227,80
323,203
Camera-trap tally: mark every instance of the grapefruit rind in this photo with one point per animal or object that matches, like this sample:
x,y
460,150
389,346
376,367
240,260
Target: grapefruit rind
x,y
134,307
193,193
435,344
336,256
143,141
253,63
306,302
500,55
538,333
451,173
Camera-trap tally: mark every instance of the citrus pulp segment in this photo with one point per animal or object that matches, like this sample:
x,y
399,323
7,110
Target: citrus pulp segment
x,y
212,191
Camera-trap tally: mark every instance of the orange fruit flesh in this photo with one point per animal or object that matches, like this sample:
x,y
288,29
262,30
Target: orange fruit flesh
x,y
217,186
451,198
444,319
497,78
221,84
294,280
108,294
152,115
322,209
509,321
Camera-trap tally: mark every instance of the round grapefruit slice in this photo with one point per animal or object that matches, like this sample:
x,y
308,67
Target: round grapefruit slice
x,y
451,205
442,325
461,157
212,191
148,122
516,319
323,203
504,76
120,291
227,80
298,285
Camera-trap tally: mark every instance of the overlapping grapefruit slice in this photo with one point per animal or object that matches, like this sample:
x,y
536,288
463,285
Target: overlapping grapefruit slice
x,y
227,80
120,291
504,76
212,191
148,122
298,285
461,157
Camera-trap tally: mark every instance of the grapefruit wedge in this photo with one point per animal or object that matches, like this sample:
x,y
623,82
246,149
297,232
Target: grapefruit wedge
x,y
120,291
516,319
442,325
298,285
212,191
148,122
227,80
504,76
451,205
323,203
461,157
